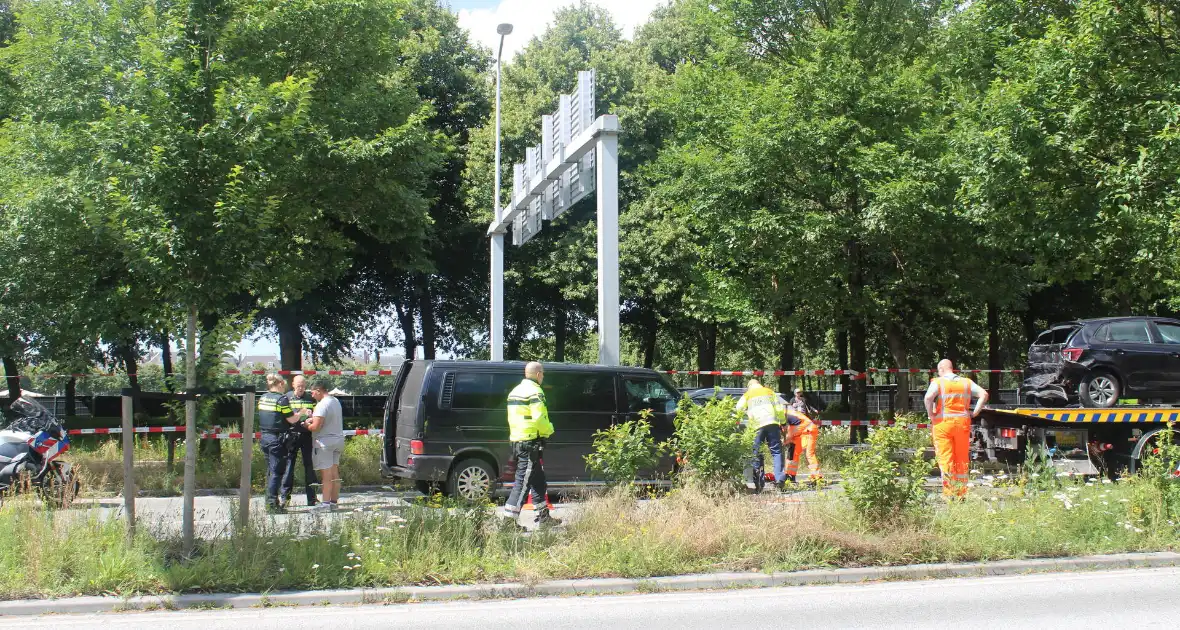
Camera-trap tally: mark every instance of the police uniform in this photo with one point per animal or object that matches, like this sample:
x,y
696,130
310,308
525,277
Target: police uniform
x,y
278,440
303,449
528,428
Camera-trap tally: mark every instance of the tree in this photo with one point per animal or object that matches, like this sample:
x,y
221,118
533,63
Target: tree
x,y
183,135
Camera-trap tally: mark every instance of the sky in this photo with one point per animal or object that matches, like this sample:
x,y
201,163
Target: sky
x,y
529,19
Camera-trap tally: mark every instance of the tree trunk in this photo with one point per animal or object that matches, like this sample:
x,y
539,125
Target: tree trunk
x,y
290,339
650,334
166,360
13,377
130,359
860,399
426,312
559,329
786,361
1028,320
993,351
895,338
952,342
707,352
842,357
169,380
515,338
190,436
71,396
405,320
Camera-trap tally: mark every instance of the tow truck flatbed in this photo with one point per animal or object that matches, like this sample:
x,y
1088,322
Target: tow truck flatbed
x,y
1093,439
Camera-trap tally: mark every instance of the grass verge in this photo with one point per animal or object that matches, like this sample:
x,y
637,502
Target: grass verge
x,y
76,552
100,466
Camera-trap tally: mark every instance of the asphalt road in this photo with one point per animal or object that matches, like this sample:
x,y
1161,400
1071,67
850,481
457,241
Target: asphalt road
x,y
1111,599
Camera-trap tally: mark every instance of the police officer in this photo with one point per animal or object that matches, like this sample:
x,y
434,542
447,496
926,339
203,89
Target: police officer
x,y
528,428
276,420
302,404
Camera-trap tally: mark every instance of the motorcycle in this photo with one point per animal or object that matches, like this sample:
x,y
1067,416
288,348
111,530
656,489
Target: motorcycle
x,y
31,442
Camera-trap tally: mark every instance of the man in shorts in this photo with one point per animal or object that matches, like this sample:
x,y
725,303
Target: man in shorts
x,y
327,436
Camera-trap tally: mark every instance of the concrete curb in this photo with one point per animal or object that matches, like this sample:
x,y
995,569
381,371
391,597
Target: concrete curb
x,y
601,586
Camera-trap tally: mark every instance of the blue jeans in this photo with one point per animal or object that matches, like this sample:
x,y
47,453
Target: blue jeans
x,y
278,456
772,434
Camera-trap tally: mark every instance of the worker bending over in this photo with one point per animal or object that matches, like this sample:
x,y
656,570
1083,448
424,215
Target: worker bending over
x,y
802,433
766,415
948,403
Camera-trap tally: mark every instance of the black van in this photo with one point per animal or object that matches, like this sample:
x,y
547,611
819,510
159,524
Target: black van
x,y
446,422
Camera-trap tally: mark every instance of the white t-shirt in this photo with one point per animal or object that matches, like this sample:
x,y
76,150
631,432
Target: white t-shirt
x,y
932,391
329,409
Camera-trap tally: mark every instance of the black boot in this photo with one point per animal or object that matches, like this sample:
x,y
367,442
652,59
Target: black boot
x,y
544,519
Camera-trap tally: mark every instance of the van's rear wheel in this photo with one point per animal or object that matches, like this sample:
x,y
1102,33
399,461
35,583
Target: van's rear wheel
x,y
471,480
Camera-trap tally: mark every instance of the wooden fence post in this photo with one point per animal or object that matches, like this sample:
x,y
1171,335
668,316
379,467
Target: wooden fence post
x,y
129,465
247,459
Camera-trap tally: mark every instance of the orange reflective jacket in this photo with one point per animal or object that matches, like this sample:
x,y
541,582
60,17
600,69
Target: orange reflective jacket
x,y
954,398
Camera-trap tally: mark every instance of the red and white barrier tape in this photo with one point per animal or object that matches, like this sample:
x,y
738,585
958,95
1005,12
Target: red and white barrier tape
x,y
852,373
352,432
871,423
204,436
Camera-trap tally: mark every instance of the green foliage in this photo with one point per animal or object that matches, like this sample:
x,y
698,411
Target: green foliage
x,y
878,485
712,447
1038,472
625,449
1155,500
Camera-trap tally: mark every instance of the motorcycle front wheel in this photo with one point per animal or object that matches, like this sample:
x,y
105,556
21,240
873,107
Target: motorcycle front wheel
x,y
59,487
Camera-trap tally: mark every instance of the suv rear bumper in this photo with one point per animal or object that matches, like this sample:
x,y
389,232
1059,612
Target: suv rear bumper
x,y
424,468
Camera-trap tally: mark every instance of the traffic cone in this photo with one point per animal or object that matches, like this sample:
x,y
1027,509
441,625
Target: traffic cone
x,y
528,502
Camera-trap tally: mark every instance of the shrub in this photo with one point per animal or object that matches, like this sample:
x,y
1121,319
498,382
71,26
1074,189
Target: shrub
x,y
623,450
1155,498
712,447
881,488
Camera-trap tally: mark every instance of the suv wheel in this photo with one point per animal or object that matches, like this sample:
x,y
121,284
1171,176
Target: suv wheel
x,y
1099,389
471,480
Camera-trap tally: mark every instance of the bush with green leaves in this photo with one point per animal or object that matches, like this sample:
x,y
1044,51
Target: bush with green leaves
x,y
882,486
712,447
1155,499
623,450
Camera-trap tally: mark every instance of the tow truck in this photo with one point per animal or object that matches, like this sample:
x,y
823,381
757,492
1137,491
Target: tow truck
x,y
1079,440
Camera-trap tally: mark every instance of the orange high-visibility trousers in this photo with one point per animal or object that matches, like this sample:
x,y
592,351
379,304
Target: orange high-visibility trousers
x,y
952,447
805,441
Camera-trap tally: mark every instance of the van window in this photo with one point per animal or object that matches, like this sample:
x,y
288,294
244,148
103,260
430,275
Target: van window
x,y
647,393
571,391
483,390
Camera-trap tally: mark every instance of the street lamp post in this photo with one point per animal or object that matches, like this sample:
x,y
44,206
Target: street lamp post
x,y
497,252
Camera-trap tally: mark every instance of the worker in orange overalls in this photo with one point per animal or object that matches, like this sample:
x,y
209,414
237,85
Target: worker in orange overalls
x,y
802,435
948,403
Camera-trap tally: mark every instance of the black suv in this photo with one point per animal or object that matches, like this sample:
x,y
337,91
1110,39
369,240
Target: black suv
x,y
446,422
1098,361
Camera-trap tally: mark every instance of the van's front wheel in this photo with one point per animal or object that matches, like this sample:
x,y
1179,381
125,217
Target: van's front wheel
x,y
471,480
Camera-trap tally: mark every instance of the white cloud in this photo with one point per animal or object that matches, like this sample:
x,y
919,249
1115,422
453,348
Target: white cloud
x,y
530,17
